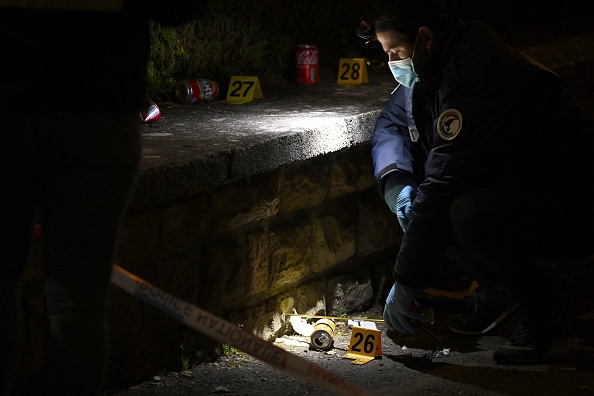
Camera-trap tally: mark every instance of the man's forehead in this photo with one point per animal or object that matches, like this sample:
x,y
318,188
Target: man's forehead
x,y
392,38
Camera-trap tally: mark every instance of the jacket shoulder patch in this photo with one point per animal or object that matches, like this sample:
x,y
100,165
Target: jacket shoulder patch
x,y
449,124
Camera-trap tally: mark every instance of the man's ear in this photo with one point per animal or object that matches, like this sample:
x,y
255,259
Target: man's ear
x,y
427,37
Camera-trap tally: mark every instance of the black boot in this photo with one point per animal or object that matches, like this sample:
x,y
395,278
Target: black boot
x,y
534,339
487,309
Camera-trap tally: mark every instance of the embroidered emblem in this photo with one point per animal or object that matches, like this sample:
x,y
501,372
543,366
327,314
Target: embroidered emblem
x,y
449,124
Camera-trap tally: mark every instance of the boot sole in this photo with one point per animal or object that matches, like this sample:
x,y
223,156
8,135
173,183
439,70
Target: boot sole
x,y
510,361
494,324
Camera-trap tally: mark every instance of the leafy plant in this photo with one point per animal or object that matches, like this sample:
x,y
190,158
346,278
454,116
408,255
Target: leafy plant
x,y
228,350
259,37
185,360
168,58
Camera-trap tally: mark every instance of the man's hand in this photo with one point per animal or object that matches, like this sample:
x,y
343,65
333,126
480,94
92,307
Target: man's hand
x,y
399,192
398,309
404,204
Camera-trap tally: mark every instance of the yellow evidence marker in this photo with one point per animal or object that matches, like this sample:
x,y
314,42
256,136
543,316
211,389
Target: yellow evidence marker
x,y
365,345
243,89
352,71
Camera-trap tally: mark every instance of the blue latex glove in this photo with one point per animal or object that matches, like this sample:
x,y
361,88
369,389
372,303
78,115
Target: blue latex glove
x,y
398,309
404,204
400,191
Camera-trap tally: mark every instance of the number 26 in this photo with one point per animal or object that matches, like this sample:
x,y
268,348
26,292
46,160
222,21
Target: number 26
x,y
368,345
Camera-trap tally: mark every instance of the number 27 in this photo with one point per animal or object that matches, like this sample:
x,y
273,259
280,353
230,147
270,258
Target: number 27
x,y
239,86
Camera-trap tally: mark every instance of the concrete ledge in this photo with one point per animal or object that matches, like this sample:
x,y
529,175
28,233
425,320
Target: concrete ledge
x,y
564,53
573,60
197,147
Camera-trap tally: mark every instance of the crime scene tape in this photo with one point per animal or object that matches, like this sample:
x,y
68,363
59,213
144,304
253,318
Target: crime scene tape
x,y
228,333
334,317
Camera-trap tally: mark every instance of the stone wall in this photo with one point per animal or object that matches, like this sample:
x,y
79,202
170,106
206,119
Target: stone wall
x,y
304,237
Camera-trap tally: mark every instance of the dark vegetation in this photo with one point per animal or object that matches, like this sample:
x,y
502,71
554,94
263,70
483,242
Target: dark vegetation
x,y
259,37
238,37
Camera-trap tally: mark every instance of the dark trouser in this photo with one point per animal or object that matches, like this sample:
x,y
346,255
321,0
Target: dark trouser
x,y
75,172
502,233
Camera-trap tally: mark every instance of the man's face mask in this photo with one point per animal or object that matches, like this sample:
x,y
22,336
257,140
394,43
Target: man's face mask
x,y
404,70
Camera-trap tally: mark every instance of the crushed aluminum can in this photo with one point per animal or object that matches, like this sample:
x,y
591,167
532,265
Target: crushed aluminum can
x,y
193,91
151,114
323,334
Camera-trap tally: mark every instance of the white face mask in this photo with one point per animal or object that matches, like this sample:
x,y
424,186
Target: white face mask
x,y
404,70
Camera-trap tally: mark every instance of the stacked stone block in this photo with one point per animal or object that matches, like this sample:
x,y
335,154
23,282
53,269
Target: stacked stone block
x,y
301,238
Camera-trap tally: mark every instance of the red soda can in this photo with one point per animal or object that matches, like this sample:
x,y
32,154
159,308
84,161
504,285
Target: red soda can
x,y
151,113
192,91
307,64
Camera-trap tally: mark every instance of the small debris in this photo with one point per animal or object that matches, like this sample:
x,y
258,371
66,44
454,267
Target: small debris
x,y
291,342
157,378
439,354
186,374
362,323
221,389
369,325
301,326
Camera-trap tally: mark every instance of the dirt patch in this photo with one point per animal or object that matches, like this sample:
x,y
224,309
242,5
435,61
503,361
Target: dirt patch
x,y
463,366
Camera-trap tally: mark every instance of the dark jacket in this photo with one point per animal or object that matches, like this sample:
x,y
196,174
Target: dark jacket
x,y
487,115
394,142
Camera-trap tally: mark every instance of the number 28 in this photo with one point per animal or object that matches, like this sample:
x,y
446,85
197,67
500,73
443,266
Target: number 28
x,y
352,69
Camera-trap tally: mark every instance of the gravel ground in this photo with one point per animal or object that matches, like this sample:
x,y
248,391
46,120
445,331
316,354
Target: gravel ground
x,y
463,366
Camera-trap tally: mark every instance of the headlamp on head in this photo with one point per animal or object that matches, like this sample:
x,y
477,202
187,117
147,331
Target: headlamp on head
x,y
404,16
366,31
